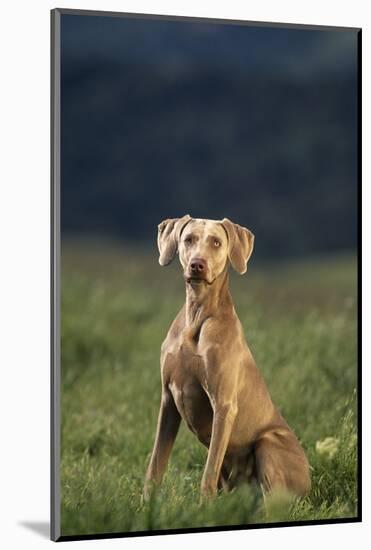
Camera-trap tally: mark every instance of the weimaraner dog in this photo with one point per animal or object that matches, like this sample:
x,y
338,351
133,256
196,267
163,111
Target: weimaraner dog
x,y
209,377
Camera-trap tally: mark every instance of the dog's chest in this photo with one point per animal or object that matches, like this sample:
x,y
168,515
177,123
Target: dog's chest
x,y
185,372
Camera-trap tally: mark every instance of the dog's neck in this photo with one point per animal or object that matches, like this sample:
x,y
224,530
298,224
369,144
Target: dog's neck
x,y
205,300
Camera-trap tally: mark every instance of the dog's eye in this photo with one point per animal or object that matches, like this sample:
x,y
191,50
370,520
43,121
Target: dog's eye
x,y
188,240
217,243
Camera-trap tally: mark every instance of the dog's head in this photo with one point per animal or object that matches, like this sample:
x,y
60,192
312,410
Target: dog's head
x,y
204,246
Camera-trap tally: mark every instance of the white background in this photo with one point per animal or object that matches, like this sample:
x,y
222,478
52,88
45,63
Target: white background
x,y
24,266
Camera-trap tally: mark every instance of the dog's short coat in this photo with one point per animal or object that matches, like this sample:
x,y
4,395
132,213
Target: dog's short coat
x,y
209,377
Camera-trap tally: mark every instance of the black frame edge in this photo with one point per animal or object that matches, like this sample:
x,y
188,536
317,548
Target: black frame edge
x,y
359,269
55,59
195,19
225,528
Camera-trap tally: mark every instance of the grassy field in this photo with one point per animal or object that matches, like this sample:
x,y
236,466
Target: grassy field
x,y
300,322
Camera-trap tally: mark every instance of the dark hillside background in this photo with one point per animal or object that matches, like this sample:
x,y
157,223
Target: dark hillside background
x,y
163,118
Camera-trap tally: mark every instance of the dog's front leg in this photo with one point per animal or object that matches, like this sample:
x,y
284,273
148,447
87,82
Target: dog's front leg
x,y
167,429
224,416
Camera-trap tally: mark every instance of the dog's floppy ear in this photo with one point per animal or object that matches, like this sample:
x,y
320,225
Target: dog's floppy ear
x,y
169,232
240,245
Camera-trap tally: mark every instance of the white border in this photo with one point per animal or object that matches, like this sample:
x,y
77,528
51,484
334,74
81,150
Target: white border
x,y
24,273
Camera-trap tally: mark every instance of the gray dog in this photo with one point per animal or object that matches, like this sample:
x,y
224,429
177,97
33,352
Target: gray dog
x,y
209,377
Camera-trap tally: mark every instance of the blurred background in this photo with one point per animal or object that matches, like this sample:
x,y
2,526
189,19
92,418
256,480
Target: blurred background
x,y
163,118
258,124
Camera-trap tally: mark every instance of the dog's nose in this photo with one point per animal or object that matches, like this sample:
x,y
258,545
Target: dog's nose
x,y
198,265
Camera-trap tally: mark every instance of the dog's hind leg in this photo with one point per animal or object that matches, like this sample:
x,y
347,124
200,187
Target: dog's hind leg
x,y
281,464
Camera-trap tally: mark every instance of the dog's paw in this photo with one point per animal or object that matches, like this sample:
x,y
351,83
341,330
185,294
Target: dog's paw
x,y
208,489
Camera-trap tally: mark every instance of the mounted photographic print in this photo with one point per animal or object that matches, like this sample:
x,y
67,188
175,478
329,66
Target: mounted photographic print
x,y
205,274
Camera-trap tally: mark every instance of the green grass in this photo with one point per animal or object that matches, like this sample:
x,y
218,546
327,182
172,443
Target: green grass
x,y
117,303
